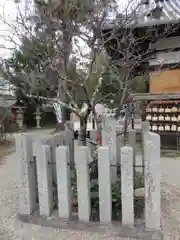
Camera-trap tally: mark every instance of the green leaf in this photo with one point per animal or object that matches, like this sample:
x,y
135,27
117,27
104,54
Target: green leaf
x,y
94,183
94,195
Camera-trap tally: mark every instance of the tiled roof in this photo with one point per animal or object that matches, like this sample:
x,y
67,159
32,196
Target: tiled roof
x,y
171,9
170,13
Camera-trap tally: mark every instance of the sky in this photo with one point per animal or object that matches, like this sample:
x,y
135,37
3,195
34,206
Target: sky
x,y
7,14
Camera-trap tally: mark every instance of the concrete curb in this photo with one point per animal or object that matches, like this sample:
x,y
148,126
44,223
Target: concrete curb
x,y
114,229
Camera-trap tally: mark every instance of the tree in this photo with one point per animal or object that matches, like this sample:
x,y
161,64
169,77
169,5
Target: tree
x,y
59,29
67,39
27,62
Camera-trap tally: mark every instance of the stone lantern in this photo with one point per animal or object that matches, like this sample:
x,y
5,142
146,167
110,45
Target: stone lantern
x,y
38,117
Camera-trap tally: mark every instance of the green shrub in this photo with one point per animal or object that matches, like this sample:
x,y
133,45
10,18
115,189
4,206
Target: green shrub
x,y
94,193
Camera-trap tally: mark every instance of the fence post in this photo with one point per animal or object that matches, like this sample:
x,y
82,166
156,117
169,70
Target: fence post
x,y
104,177
52,142
63,181
83,184
152,180
58,139
28,186
44,176
144,129
41,141
109,139
119,144
127,186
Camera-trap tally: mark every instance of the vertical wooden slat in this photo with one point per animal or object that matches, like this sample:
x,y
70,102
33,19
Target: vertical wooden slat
x,y
83,184
44,176
127,186
63,182
104,177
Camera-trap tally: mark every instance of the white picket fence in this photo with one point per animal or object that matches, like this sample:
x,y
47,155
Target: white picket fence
x,y
52,157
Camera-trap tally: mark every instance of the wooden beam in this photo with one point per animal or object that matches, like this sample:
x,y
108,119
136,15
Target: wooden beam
x,y
154,96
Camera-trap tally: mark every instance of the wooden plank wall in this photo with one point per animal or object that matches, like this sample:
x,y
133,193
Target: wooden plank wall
x,y
166,81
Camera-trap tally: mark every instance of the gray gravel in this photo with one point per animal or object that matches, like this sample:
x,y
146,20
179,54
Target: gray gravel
x,y
11,228
171,198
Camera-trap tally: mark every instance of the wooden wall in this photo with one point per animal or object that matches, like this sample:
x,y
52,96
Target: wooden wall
x,y
166,81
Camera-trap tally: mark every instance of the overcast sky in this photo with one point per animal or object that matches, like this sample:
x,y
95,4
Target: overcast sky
x,y
8,14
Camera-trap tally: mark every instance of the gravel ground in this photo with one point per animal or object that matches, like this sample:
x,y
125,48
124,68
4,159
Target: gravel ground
x,y
171,198
11,228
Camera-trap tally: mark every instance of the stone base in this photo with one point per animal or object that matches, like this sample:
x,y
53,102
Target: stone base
x,y
114,230
60,127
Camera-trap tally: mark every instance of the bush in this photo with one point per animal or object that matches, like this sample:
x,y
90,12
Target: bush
x,y
116,194
94,193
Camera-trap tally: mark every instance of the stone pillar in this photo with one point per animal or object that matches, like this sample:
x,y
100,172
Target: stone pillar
x,y
132,143
63,182
59,139
104,178
39,142
127,186
28,184
20,117
109,139
44,176
52,142
152,180
38,117
144,129
83,183
119,144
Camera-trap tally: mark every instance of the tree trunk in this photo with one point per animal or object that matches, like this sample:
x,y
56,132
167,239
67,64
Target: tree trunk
x,y
67,47
82,132
65,114
126,123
